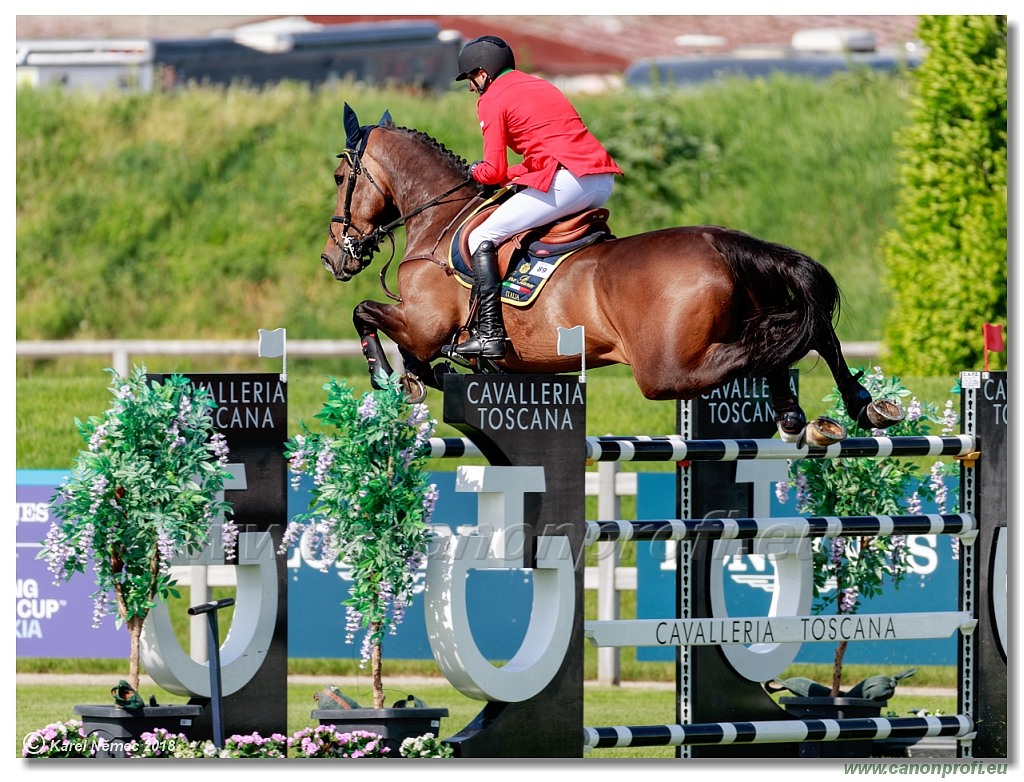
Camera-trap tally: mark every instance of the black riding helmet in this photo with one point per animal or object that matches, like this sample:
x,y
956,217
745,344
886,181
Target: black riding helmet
x,y
487,53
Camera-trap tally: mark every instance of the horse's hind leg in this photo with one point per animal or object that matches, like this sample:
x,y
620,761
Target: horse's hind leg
x,y
867,412
789,417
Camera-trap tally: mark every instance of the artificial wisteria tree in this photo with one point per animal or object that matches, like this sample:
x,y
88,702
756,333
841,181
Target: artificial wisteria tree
x,y
144,490
847,570
370,505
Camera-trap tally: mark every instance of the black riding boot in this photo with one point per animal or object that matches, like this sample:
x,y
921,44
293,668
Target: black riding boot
x,y
489,339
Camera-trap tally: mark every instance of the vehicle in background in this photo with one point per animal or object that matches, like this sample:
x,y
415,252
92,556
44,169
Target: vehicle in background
x,y
410,53
815,54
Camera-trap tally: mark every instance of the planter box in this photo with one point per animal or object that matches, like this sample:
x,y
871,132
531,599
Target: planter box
x,y
393,725
817,708
117,726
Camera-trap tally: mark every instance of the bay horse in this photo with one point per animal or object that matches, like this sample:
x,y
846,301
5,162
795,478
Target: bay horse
x,y
687,308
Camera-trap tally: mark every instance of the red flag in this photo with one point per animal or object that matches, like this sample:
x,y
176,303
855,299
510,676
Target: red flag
x,y
994,338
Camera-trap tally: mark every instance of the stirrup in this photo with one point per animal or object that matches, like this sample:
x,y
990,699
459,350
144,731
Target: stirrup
x,y
489,347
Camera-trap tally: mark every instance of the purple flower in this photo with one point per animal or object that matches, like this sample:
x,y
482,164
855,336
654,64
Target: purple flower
x,y
914,409
166,548
430,497
291,536
938,486
97,439
838,550
58,553
100,609
782,491
96,490
897,547
950,419
184,408
848,599
804,500
219,445
914,504
229,536
323,464
368,407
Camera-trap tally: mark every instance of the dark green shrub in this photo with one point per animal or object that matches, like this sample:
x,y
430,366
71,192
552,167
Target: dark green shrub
x,y
947,259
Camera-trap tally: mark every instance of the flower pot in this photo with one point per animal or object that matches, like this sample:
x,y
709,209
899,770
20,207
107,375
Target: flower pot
x,y
117,727
392,725
819,708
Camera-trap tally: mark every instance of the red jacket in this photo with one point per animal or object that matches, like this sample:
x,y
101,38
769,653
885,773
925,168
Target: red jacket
x,y
534,119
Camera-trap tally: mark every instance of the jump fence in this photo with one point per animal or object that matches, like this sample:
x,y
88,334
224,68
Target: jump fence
x,y
708,684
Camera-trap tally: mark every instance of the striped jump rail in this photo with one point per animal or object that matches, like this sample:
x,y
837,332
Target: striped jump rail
x,y
452,448
963,525
674,448
959,726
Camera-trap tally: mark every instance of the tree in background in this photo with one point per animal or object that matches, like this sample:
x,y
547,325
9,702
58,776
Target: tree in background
x,y
946,260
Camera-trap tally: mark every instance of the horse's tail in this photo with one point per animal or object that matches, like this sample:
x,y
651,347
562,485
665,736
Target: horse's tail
x,y
795,300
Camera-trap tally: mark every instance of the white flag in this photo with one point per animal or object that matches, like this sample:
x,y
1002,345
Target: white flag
x,y
570,341
271,343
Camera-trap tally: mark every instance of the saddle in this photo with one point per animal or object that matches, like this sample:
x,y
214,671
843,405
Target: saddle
x,y
554,239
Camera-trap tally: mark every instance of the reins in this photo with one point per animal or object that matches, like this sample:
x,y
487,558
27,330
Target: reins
x,y
364,247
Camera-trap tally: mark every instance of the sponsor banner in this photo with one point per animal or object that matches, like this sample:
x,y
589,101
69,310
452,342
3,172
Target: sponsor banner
x,y
498,601
749,582
56,621
51,620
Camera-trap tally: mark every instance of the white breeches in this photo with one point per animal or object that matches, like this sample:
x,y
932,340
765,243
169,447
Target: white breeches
x,y
530,208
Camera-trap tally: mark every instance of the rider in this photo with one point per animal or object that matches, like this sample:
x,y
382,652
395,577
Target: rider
x,y
564,169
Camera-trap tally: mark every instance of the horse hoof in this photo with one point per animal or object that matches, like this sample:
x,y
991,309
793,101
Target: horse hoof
x,y
884,413
823,432
440,371
791,425
791,437
415,391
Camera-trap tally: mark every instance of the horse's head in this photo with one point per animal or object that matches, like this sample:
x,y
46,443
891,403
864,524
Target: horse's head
x,y
363,200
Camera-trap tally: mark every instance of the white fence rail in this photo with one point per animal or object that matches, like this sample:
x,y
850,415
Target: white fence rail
x,y
121,350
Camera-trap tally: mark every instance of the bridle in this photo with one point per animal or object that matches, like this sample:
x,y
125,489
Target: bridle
x,y
363,246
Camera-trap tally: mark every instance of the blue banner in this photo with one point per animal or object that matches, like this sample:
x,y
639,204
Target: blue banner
x,y
52,620
499,601
748,581
56,621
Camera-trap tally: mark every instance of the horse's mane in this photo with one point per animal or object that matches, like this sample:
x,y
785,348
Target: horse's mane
x,y
459,165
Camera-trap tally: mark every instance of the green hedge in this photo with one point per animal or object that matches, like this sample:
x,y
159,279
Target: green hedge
x,y
202,213
947,260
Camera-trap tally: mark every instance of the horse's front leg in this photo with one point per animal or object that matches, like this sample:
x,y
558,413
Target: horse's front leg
x,y
376,360
371,317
